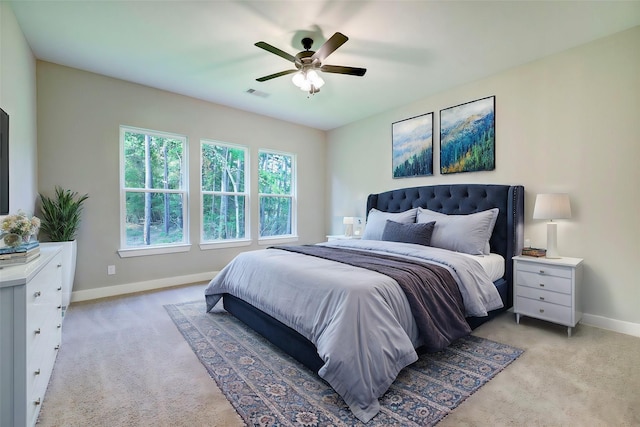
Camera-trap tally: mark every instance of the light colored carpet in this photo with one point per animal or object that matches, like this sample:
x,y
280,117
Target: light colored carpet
x,y
124,363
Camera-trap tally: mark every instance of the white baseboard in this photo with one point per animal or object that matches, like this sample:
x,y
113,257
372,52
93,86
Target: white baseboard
x,y
621,326
129,288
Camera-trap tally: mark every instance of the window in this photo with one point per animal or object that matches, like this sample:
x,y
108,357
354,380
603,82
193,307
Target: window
x,y
276,190
225,192
153,190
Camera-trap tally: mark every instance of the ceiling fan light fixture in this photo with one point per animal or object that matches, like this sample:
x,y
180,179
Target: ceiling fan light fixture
x,y
308,81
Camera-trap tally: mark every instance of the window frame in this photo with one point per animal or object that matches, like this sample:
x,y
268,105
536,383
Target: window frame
x,y
126,251
227,243
293,236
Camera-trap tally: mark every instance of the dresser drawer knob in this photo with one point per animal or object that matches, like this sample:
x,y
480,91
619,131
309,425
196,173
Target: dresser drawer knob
x,y
542,285
541,298
59,265
57,347
36,294
59,307
37,372
36,402
542,310
541,271
59,288
59,325
37,331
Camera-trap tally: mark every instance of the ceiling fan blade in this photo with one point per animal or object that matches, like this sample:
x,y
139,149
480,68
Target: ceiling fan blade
x,y
273,76
275,50
352,71
336,40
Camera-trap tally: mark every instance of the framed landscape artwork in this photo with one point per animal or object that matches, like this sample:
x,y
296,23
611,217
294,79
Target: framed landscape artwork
x,y
412,146
468,137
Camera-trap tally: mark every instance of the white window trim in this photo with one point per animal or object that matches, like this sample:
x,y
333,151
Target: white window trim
x,y
133,251
285,238
228,243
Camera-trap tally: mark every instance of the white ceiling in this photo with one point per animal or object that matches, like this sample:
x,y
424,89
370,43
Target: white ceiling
x,y
411,49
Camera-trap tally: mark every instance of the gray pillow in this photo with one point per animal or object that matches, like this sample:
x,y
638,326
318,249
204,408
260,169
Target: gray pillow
x,y
420,234
377,220
461,233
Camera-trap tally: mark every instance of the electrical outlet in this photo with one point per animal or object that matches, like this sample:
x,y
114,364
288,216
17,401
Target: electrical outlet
x,y
111,269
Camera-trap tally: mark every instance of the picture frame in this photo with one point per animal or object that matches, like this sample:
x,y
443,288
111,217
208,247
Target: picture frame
x,y
467,137
412,146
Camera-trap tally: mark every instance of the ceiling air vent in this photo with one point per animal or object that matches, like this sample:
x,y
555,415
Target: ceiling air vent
x,y
257,93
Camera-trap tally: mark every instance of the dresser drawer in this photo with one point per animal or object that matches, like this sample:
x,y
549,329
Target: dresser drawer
x,y
545,311
543,281
548,270
544,295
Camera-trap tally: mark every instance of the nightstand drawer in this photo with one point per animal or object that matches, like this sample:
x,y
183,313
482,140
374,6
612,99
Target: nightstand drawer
x,y
547,270
542,295
544,310
543,281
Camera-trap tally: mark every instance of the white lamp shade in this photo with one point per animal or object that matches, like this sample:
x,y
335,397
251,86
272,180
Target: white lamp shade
x,y
552,206
347,220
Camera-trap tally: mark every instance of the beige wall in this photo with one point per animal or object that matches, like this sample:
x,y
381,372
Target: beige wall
x,y
567,123
79,114
18,99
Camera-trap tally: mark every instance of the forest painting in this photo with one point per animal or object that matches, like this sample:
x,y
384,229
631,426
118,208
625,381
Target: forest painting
x,y
412,146
467,137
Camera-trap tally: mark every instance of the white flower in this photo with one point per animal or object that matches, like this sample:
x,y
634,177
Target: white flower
x,y
20,224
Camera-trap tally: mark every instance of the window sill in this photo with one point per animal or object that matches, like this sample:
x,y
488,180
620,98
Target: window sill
x,y
155,250
224,244
274,240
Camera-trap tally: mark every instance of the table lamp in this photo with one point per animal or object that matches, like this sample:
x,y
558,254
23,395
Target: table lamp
x,y
552,206
348,226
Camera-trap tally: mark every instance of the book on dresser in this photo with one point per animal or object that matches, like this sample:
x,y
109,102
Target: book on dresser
x,y
19,254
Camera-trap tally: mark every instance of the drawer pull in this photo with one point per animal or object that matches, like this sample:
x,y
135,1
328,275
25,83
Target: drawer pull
x,y
541,271
59,307
541,298
57,347
37,372
59,265
59,288
59,325
36,294
542,310
36,402
542,285
37,331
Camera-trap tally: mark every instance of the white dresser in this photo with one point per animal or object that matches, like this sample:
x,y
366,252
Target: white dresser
x,y
548,289
30,334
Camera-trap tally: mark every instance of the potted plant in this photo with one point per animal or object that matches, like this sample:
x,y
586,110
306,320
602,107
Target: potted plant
x,y
60,220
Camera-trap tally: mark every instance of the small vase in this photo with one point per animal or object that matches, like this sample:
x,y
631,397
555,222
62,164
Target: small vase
x,y
12,239
26,239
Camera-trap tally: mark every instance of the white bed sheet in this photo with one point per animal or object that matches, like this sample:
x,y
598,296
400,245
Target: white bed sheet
x,y
493,264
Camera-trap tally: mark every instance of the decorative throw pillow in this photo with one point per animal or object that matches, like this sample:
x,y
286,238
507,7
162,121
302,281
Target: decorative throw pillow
x,y
420,234
376,221
461,233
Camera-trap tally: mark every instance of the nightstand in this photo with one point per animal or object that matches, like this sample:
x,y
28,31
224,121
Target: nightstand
x,y
341,237
548,289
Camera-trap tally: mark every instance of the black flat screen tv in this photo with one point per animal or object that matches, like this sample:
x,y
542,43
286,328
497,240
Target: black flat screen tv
x,y
4,162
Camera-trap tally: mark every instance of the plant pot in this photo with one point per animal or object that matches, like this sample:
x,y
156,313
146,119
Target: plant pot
x,y
69,253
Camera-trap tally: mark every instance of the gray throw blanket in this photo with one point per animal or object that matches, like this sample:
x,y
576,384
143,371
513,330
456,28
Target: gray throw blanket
x,y
432,293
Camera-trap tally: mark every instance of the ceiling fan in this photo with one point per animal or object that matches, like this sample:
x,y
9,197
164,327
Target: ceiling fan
x,y
308,62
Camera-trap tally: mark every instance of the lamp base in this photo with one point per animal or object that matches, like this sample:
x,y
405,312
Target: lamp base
x,y
552,240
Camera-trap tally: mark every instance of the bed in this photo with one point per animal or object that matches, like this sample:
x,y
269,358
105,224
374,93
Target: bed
x,y
319,318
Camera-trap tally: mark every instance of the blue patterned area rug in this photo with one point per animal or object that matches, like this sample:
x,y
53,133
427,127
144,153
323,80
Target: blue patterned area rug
x,y
269,388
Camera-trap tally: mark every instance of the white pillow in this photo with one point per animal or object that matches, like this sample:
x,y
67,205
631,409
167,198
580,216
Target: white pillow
x,y
377,220
461,233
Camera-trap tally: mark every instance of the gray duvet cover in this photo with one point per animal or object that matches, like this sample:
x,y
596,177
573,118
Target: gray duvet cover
x,y
359,320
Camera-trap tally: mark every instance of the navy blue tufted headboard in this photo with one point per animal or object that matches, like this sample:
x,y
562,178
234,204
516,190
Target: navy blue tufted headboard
x,y
507,237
